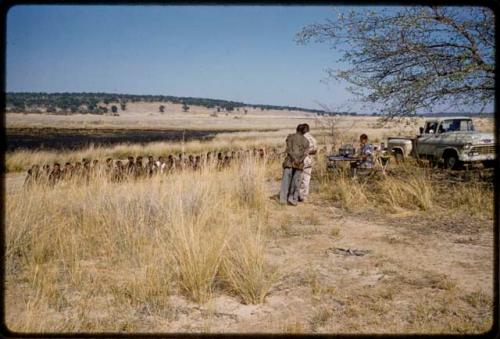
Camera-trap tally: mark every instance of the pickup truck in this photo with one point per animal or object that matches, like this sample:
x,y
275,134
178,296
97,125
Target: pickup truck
x,y
451,141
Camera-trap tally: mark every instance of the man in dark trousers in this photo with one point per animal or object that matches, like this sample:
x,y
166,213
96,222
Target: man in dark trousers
x,y
297,147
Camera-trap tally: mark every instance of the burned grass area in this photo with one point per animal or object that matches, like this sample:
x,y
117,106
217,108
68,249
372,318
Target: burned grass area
x,y
73,139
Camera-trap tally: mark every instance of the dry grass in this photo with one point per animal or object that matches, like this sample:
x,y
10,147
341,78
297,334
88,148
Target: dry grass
x,y
414,192
112,257
293,326
21,160
406,188
350,194
134,243
474,198
320,318
335,232
245,269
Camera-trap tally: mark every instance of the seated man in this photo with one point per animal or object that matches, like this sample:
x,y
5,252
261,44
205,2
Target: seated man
x,y
160,165
55,174
365,152
109,167
29,178
118,172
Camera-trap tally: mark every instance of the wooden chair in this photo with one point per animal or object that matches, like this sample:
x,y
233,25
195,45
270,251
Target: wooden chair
x,y
381,161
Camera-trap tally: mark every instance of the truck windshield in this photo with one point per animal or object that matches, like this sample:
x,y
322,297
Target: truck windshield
x,y
453,125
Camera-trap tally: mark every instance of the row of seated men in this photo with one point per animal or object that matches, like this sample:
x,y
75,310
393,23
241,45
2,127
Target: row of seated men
x,y
135,168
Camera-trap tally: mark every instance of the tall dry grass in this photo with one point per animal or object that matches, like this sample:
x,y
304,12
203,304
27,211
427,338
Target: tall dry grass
x,y
407,187
135,244
245,270
474,198
413,192
21,160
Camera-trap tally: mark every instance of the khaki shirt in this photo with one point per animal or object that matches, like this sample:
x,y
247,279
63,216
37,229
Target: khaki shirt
x,y
296,150
313,146
366,150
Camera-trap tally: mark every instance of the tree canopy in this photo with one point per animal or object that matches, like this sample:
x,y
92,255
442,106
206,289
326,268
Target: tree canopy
x,y
413,58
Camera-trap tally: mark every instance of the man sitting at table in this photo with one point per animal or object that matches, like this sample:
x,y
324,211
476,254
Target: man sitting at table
x,y
365,152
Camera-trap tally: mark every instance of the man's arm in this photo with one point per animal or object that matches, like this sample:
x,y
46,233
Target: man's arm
x,y
313,147
288,146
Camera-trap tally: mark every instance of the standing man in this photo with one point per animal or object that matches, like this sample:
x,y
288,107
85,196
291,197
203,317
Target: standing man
x,y
308,163
296,150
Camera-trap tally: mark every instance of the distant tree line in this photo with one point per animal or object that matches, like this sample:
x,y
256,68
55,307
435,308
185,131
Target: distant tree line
x,y
92,103
89,102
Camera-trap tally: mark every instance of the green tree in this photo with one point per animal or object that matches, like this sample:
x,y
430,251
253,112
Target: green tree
x,y
114,109
415,57
185,107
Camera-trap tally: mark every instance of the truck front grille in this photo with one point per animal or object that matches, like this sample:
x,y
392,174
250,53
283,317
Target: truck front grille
x,y
486,149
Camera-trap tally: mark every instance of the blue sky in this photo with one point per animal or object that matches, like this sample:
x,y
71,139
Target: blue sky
x,y
241,53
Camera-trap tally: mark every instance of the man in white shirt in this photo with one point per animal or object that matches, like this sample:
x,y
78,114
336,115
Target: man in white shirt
x,y
308,163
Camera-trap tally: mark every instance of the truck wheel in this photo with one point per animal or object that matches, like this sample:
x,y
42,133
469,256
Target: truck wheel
x,y
451,161
399,157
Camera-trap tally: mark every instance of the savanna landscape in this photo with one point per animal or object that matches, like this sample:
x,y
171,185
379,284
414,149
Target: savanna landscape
x,y
157,158
213,250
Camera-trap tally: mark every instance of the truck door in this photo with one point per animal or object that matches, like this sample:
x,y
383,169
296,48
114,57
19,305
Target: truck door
x,y
439,138
425,140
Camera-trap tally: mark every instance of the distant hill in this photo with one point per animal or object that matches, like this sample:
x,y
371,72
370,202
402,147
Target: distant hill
x,y
90,102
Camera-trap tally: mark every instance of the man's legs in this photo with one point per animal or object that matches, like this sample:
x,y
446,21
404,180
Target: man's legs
x,y
293,196
285,185
304,185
